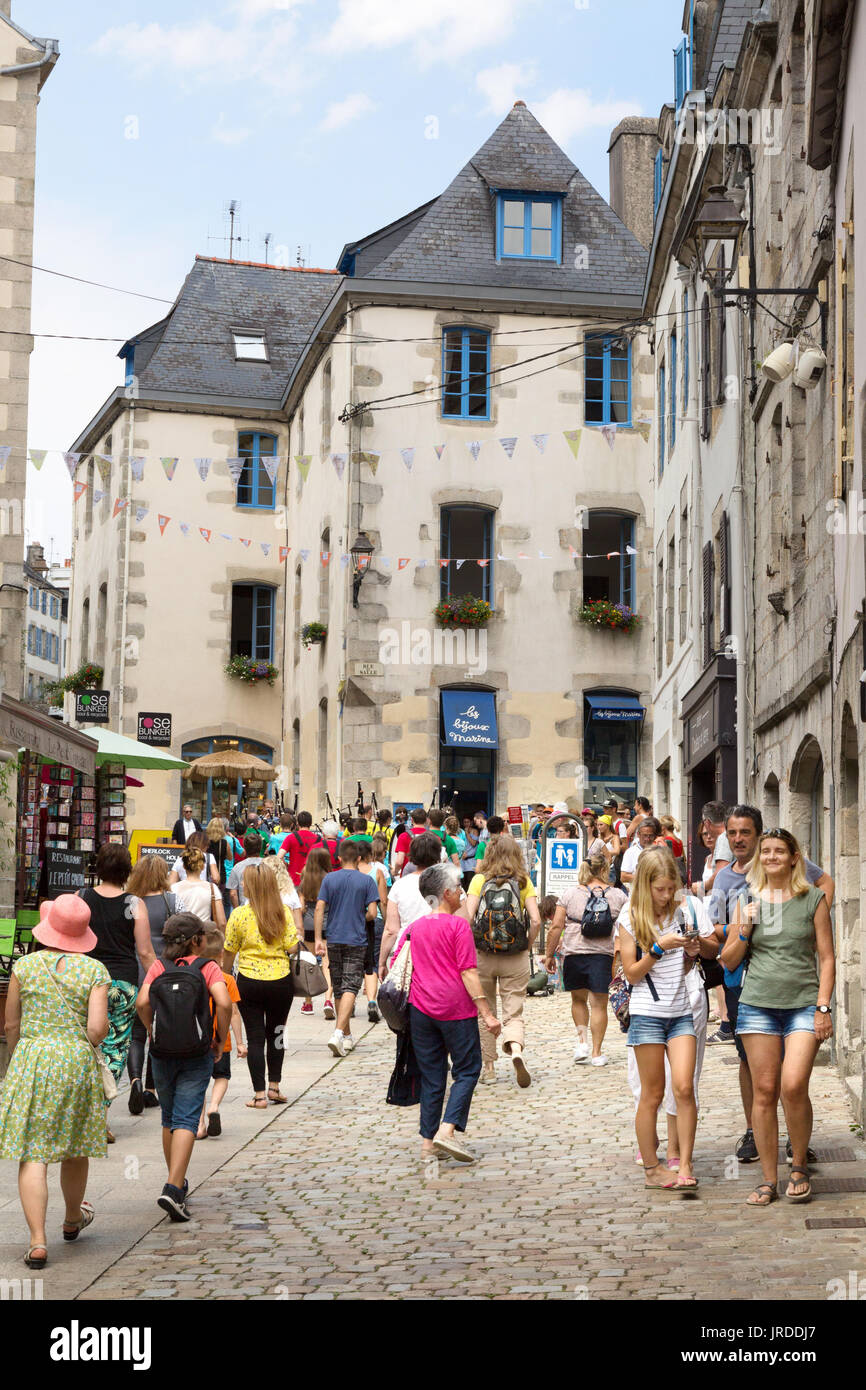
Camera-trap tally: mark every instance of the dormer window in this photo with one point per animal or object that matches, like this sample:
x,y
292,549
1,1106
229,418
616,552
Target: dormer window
x,y
249,347
528,227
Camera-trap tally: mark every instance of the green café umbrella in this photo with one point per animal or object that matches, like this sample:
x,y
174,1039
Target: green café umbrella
x,y
115,748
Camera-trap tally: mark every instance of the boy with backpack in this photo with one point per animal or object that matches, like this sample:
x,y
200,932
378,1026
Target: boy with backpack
x,y
174,1004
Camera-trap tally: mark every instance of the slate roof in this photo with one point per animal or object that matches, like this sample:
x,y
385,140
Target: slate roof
x,y
191,350
454,241
732,20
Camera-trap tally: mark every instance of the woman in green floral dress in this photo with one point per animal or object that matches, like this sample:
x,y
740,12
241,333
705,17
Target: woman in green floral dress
x,y
53,1107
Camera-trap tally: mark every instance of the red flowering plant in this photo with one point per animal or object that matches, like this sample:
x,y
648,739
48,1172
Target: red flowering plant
x,y
465,611
87,677
600,612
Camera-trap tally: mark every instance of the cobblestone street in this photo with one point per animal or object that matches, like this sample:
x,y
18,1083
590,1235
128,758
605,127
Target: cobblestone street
x,y
330,1200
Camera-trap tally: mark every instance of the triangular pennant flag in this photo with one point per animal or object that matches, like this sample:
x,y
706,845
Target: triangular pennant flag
x,y
509,444
270,463
224,536
403,562
385,560
630,550
610,554
344,562
97,495
303,461
474,447
502,557
326,557
136,468
203,468
184,527
422,564
540,442
245,544
572,552
5,451
71,461
439,449
141,513
643,429
236,468
363,561
609,434
305,555
37,457
483,563
408,456
521,555
458,563
373,460
339,461
78,489
120,503
169,465
284,553
572,439
266,548
103,463
443,564
163,522
205,533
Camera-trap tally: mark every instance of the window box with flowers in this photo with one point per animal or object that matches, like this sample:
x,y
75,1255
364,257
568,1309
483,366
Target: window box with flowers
x,y
251,670
87,677
465,611
313,634
612,617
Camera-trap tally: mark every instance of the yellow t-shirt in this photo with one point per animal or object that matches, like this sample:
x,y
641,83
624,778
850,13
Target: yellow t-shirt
x,y
478,881
259,959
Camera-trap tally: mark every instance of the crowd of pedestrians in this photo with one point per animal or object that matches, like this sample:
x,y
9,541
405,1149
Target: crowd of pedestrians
x,y
159,970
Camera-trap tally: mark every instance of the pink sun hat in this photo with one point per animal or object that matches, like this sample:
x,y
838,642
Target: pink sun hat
x,y
65,925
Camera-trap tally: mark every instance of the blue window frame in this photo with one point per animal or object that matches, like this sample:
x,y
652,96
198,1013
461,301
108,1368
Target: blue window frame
x,y
662,406
255,488
30,631
528,227
681,73
606,380
608,567
466,373
658,179
44,601
672,367
34,596
685,351
252,629
37,645
466,533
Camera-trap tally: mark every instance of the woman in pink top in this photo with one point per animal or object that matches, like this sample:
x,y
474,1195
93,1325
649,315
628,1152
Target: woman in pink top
x,y
445,1002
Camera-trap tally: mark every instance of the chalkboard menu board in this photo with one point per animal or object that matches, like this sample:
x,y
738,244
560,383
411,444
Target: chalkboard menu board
x,y
65,871
168,852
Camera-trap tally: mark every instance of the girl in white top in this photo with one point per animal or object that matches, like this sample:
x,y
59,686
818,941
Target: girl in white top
x,y
197,894
659,944
199,840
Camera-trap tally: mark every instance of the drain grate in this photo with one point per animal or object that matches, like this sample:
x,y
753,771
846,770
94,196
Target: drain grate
x,y
839,1184
835,1223
840,1155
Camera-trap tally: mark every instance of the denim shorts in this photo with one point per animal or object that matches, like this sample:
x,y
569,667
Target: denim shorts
x,y
181,1084
645,1029
779,1022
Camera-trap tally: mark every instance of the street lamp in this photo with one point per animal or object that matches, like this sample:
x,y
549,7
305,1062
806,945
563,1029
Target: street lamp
x,y
717,230
361,550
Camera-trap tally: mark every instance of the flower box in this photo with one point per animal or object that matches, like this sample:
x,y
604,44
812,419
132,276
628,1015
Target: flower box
x,y
611,617
87,677
313,633
467,611
251,670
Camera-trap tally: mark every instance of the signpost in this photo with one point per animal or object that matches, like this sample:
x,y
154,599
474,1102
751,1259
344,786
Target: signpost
x,y
548,841
563,860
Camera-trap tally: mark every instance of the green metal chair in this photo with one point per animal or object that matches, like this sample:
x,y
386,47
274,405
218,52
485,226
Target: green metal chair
x,y
8,928
27,919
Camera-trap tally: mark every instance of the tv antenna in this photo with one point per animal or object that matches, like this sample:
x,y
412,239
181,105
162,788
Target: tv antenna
x,y
268,236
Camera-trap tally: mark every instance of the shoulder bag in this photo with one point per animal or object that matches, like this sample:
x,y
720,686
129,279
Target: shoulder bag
x,y
393,996
308,977
106,1075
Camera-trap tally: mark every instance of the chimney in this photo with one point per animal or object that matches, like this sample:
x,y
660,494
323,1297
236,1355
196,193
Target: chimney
x,y
36,558
632,152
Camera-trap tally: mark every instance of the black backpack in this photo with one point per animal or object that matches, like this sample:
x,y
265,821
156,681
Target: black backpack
x,y
597,920
499,925
182,1023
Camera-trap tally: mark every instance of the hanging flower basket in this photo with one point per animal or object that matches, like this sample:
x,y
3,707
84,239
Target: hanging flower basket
x,y
313,633
467,611
600,612
87,677
251,671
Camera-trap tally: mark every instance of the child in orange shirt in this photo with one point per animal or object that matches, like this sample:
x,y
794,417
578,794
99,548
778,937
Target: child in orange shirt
x,y
210,1124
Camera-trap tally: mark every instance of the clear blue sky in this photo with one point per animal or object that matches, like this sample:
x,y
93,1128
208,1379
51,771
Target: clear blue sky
x,y
314,114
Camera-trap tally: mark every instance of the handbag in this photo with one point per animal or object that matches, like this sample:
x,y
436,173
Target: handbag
x,y
106,1075
404,1086
308,977
393,996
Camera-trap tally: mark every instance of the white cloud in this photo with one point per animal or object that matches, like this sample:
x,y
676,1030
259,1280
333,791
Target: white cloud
x,y
571,111
437,28
241,51
351,108
503,85
226,135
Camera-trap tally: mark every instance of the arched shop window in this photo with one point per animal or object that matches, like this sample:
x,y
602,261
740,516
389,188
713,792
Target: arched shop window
x,y
612,729
219,796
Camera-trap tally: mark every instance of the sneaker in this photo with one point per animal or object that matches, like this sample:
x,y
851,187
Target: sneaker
x,y
521,1071
811,1156
373,1014
307,1006
581,1052
488,1076
348,1042
173,1200
330,1011
136,1097
747,1150
600,1061
724,1035
454,1149
337,1045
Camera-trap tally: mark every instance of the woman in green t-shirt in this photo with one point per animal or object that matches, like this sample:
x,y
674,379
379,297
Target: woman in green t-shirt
x,y
784,1010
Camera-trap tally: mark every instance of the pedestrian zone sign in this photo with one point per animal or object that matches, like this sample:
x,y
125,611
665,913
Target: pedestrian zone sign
x,y
563,864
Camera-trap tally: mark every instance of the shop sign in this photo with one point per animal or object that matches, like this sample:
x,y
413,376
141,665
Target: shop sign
x,y
46,740
168,852
701,733
65,871
469,719
154,729
91,706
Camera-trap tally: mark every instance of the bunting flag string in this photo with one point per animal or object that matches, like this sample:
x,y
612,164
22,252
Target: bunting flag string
x,y
326,557
474,447
203,468
246,544
169,465
136,468
271,464
509,444
284,553
103,463
120,504
37,456
303,461
439,450
572,439
71,461
266,548
163,522
403,562
305,555
609,435
339,461
77,489
205,533
141,513
540,442
408,457
224,536
236,468
184,528
97,495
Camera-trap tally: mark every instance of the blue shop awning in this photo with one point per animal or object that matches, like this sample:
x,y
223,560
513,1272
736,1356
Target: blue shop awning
x,y
615,708
469,719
